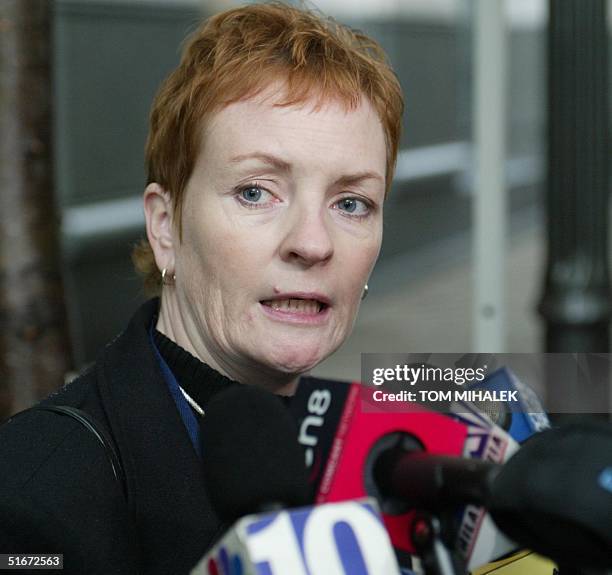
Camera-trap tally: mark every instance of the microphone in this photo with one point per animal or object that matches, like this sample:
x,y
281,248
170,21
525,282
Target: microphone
x,y
330,539
520,418
253,462
342,434
495,429
250,455
433,482
555,495
478,539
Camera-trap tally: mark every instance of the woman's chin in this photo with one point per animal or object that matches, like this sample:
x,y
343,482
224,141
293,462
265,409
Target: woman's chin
x,y
295,359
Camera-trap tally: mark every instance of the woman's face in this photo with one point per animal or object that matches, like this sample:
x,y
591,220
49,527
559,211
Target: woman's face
x,y
282,225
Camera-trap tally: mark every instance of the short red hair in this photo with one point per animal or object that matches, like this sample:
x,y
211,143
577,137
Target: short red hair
x,y
235,55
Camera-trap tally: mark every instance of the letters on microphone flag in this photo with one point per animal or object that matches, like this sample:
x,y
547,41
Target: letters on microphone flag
x,y
330,539
479,541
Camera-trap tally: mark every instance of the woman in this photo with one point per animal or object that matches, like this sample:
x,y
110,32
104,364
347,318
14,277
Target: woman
x,y
270,153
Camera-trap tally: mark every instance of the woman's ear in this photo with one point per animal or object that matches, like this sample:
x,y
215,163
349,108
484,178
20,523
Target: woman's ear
x,y
160,228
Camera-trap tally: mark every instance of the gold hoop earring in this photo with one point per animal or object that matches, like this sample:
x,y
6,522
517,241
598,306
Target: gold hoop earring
x,y
167,279
364,295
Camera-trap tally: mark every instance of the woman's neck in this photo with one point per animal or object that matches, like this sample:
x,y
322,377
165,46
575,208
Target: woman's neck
x,y
182,331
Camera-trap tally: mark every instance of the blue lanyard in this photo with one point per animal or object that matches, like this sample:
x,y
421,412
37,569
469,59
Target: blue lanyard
x,y
185,411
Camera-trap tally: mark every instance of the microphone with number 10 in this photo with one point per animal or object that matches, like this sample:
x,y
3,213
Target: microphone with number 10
x,y
254,470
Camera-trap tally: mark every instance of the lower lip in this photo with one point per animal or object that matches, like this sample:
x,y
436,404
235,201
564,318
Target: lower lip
x,y
297,317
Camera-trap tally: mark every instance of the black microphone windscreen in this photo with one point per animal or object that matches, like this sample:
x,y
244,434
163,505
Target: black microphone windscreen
x,y
555,494
250,453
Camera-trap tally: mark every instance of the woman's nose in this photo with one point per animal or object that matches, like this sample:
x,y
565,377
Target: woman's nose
x,y
308,239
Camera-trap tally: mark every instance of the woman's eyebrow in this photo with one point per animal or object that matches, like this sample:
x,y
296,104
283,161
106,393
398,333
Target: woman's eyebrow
x,y
284,166
359,177
269,159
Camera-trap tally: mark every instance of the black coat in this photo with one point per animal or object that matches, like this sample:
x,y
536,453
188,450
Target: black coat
x,y
58,493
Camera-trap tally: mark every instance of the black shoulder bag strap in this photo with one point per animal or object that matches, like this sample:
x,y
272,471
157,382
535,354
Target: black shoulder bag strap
x,y
89,423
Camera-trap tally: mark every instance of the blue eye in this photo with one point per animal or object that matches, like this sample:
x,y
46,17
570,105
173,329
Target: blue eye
x,y
348,204
353,206
251,194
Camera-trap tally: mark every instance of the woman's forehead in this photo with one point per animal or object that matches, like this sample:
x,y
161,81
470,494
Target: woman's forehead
x,y
259,126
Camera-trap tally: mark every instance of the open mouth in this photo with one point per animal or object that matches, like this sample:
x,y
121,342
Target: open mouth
x,y
296,305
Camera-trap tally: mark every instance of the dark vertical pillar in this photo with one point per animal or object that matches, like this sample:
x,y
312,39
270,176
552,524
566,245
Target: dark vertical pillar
x,y
576,300
34,350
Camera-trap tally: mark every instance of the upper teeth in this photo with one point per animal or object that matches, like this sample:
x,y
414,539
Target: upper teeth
x,y
301,305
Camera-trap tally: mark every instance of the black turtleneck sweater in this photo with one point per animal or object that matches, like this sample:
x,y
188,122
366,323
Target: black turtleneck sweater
x,y
199,380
